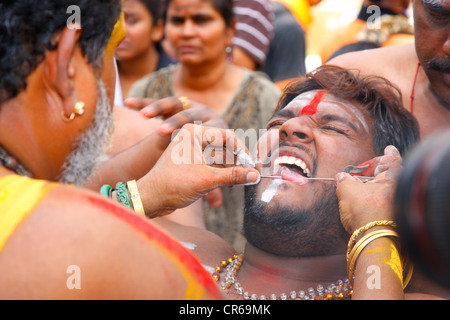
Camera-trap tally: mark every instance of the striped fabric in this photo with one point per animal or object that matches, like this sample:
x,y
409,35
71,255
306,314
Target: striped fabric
x,y
254,27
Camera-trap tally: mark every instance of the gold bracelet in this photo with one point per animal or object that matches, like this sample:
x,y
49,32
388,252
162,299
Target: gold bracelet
x,y
372,224
135,197
361,244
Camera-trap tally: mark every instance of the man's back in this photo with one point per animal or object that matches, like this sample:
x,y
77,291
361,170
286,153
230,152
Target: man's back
x,y
74,244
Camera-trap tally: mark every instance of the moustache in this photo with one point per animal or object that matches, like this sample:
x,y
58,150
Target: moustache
x,y
438,64
276,148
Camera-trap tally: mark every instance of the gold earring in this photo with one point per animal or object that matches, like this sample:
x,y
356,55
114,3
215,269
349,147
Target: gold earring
x,y
78,110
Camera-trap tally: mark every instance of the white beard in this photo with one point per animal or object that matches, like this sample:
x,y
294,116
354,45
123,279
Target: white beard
x,y
92,145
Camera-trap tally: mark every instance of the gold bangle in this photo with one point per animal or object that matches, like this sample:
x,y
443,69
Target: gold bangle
x,y
184,101
361,244
372,224
135,197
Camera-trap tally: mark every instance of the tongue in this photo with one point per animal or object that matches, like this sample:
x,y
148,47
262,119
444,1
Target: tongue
x,y
292,175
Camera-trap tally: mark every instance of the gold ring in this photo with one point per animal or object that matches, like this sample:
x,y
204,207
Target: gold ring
x,y
184,101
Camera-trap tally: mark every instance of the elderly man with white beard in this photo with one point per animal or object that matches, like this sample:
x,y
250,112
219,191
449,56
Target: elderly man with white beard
x,y
59,241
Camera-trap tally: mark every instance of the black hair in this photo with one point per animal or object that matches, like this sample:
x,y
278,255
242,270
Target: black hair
x,y
28,27
224,7
353,47
392,123
155,8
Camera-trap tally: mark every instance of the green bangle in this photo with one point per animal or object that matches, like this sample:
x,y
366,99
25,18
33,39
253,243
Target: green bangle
x,y
122,194
105,190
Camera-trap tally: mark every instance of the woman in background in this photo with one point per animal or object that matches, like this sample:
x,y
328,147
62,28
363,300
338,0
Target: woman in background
x,y
140,53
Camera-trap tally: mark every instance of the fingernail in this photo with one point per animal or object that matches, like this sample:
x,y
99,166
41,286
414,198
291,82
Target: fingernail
x,y
148,112
339,177
165,127
253,178
391,150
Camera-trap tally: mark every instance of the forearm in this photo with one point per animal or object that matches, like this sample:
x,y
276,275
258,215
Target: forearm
x,y
140,196
169,185
132,163
379,272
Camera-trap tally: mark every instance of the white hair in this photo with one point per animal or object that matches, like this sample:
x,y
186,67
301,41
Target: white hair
x,y
90,147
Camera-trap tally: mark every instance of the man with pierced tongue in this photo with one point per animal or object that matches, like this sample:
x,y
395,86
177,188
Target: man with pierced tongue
x,y
296,244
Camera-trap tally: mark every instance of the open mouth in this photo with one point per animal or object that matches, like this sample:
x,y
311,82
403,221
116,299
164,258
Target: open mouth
x,y
292,169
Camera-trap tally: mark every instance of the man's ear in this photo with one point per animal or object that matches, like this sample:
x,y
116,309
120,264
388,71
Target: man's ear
x,y
60,68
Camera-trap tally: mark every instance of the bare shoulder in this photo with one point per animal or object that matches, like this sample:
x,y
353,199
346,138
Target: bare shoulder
x,y
386,61
77,237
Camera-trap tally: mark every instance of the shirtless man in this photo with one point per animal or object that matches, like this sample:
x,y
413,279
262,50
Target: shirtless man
x,y
58,241
295,239
420,70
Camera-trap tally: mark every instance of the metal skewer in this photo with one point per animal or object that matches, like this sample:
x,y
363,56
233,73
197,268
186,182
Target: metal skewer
x,y
362,178
348,169
323,179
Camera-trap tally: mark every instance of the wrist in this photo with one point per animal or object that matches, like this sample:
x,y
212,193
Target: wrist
x,y
150,197
126,194
361,232
377,237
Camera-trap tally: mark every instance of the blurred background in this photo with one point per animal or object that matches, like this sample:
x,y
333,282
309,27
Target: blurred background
x,y
328,16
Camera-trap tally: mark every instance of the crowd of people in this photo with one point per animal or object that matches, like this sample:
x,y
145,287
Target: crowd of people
x,y
127,169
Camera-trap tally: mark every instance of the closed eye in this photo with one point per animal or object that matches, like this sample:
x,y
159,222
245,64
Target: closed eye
x,y
331,128
436,11
280,117
275,123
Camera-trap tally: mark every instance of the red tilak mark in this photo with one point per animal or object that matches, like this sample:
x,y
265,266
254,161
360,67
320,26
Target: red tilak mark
x,y
311,108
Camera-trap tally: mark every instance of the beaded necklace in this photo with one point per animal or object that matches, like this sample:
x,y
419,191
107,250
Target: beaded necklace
x,y
336,291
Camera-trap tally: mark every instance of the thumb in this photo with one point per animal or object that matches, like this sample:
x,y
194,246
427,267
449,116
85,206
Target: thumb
x,y
235,175
343,176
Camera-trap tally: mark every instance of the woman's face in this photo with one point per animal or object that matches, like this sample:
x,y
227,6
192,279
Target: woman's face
x,y
141,34
197,31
